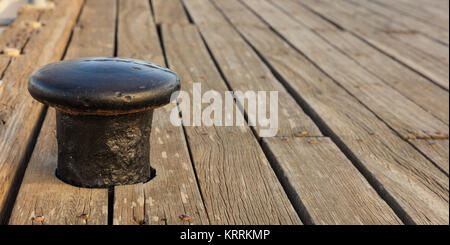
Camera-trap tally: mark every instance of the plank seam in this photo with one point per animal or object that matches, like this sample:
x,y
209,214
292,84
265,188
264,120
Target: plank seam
x,y
399,23
294,199
378,187
375,47
163,48
402,12
362,66
15,187
191,20
335,81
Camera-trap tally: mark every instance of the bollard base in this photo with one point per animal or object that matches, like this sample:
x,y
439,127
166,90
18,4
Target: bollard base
x,y
104,151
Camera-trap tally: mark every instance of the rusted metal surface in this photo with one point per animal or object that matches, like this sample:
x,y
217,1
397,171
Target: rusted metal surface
x,y
104,151
104,114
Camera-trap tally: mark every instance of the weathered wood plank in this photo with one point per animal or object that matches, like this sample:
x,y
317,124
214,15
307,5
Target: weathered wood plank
x,y
419,13
320,202
313,21
436,150
326,183
58,202
44,199
434,68
436,6
421,91
410,183
413,86
370,22
244,71
225,158
94,34
174,191
403,115
169,11
15,36
414,24
137,35
374,24
18,33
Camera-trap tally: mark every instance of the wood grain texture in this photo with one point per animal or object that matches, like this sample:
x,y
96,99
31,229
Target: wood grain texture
x,y
421,91
174,191
169,11
43,195
14,37
56,201
343,14
370,22
18,33
326,183
418,13
137,36
436,150
410,183
400,113
94,34
244,71
226,159
303,163
413,24
439,7
413,86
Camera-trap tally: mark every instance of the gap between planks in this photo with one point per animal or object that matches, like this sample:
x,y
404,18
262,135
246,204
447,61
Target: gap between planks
x,y
281,60
222,42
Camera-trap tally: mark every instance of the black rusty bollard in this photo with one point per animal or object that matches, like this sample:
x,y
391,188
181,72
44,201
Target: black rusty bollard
x,y
104,113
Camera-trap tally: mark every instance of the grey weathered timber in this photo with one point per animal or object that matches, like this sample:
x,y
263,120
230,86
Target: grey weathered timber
x,y
169,11
436,150
393,167
225,158
413,24
343,14
400,113
413,86
174,190
419,13
60,203
295,159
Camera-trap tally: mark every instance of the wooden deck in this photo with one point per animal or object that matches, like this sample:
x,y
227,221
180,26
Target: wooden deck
x,y
363,101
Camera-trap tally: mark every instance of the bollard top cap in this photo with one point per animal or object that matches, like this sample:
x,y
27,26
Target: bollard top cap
x,y
103,86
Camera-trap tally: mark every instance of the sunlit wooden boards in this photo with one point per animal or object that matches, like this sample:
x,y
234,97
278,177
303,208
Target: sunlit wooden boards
x,y
403,115
169,11
436,150
414,54
422,13
43,199
421,91
174,191
225,158
383,159
396,169
413,24
295,155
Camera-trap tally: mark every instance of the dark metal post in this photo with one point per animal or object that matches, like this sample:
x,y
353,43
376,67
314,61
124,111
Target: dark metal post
x,y
104,113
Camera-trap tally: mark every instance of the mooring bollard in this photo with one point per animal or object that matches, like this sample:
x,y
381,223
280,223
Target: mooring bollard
x,y
104,111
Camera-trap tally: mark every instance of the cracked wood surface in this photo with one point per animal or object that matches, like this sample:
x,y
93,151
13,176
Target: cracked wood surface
x,y
363,90
341,203
405,178
174,190
44,199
